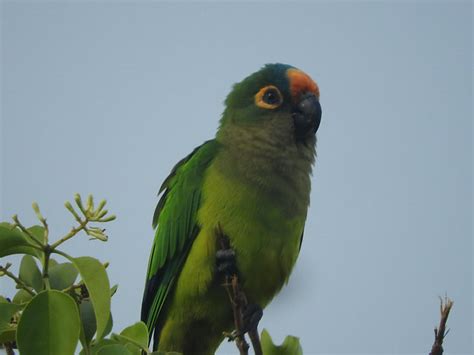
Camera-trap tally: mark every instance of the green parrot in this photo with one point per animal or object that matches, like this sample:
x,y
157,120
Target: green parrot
x,y
252,181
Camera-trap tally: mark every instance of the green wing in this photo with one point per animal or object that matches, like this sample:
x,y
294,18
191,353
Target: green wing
x,y
176,229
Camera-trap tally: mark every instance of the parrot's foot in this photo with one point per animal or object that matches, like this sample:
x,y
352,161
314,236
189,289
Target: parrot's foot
x,y
225,261
251,316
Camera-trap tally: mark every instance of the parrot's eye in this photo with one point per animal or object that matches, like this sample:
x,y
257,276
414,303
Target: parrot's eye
x,y
271,97
268,97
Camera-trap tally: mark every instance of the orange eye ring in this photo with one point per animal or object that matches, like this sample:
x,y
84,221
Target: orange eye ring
x,y
268,97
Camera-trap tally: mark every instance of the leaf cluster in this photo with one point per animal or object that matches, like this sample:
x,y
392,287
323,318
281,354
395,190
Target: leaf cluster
x,y
61,303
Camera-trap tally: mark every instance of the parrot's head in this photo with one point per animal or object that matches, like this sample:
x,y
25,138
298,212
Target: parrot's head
x,y
278,104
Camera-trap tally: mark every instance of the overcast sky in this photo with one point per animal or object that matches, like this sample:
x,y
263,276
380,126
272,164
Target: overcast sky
x,y
105,98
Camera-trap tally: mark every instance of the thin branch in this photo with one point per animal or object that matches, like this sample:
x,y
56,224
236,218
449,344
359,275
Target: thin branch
x,y
40,217
242,302
46,230
239,302
236,297
26,231
19,282
47,256
46,246
71,234
9,348
440,331
72,287
63,254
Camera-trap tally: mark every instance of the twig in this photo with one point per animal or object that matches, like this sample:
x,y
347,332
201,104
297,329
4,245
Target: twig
x,y
231,285
40,217
441,332
47,255
20,283
71,234
242,302
26,231
72,287
238,301
9,348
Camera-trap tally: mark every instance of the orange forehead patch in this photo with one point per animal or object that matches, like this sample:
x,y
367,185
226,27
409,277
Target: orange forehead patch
x,y
300,82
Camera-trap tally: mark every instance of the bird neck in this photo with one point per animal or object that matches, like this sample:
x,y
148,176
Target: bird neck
x,y
274,164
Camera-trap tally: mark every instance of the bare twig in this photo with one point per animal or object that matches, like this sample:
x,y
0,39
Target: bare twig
x,y
19,283
239,302
40,217
231,285
242,303
71,234
9,348
45,272
441,332
26,231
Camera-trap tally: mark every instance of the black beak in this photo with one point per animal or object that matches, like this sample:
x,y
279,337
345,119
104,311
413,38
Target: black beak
x,y
307,116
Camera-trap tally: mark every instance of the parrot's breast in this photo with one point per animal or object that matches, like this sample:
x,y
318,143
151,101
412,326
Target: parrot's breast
x,y
264,232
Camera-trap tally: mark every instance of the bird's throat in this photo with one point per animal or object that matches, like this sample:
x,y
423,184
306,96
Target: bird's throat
x,y
281,171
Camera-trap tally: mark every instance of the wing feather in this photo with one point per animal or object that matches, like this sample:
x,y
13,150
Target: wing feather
x,y
176,229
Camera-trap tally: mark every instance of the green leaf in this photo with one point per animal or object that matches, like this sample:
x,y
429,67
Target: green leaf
x,y
113,290
291,345
134,350
62,275
22,297
49,325
135,346
13,241
30,274
114,349
38,233
7,310
136,334
134,337
95,278
88,321
52,262
109,326
100,344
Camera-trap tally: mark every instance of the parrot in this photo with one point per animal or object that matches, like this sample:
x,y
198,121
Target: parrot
x,y
253,182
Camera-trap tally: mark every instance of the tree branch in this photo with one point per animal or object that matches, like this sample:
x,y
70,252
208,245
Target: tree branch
x,y
26,231
9,348
71,234
19,283
441,332
238,301
231,285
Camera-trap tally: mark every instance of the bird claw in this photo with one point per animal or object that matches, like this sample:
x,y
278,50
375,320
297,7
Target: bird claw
x,y
232,335
251,316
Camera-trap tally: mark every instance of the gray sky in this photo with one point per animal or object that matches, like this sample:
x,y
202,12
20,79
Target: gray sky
x,y
105,98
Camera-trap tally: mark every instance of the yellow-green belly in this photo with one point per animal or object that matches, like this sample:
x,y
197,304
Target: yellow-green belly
x,y
266,241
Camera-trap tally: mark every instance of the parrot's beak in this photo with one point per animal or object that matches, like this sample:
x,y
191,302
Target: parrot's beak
x,y
307,116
